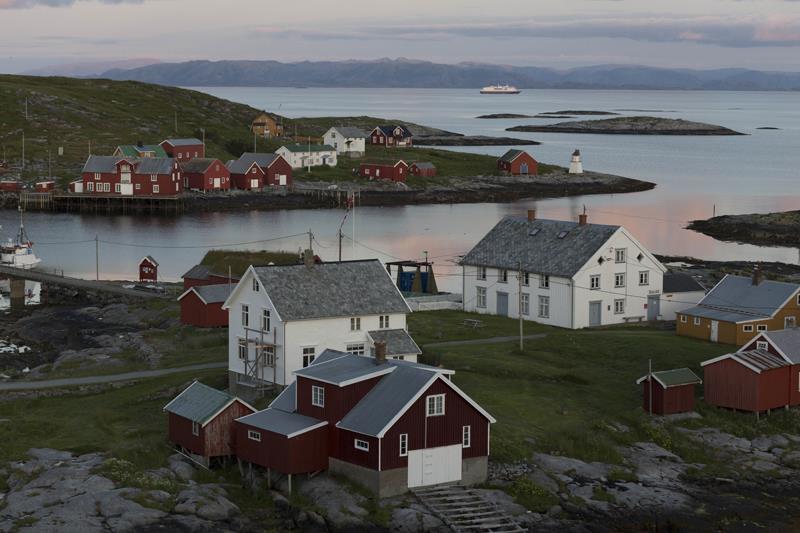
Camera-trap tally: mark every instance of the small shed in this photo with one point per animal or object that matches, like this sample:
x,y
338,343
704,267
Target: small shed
x,y
750,380
201,305
201,422
10,185
672,391
45,186
384,171
148,270
424,169
518,163
76,186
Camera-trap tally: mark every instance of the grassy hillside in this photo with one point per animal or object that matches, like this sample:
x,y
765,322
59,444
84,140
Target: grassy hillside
x,y
238,261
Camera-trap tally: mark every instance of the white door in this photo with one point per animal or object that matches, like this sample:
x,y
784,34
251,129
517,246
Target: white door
x,y
217,183
431,466
126,189
254,184
714,330
282,179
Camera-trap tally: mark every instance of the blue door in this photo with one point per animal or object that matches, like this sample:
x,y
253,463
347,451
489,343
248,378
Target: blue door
x,y
502,303
523,168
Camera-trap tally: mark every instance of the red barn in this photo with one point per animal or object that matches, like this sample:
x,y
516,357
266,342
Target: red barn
x,y
395,135
426,170
184,150
384,171
202,275
10,186
389,424
201,421
205,174
45,186
129,176
148,270
518,163
255,171
672,391
201,306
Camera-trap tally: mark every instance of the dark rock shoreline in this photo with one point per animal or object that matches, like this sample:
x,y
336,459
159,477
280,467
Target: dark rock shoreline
x,y
631,126
771,229
471,140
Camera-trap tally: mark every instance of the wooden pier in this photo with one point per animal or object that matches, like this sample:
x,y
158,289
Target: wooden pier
x,y
100,203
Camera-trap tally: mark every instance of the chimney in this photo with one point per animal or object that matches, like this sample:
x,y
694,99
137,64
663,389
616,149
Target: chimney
x,y
531,215
758,276
380,352
583,219
139,144
308,258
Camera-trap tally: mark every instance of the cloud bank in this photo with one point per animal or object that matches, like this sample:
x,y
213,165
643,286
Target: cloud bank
x,y
28,4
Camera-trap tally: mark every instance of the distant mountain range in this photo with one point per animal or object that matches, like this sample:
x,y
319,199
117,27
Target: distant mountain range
x,y
410,73
89,69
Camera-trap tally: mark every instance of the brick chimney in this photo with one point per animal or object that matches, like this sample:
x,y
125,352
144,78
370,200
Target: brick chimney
x,y
583,219
531,215
308,258
380,352
758,276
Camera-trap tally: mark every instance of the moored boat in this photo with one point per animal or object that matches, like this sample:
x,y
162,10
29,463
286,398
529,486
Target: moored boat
x,y
500,89
19,253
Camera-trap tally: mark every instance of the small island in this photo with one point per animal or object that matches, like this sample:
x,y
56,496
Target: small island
x,y
504,115
767,128
471,140
631,126
583,112
770,229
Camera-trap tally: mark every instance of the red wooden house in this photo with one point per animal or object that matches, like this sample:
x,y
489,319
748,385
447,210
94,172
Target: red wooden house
x,y
183,150
518,163
10,185
256,171
424,169
205,174
384,171
201,305
391,425
148,270
202,275
45,186
763,375
672,391
394,135
201,421
129,176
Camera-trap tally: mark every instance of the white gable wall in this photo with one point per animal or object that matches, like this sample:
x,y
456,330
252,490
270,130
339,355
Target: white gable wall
x,y
301,159
671,303
343,145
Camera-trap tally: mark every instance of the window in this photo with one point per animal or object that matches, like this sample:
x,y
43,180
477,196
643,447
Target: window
x,y
435,404
90,186
242,349
138,186
466,436
762,345
544,281
526,304
403,444
266,323
97,175
155,189
619,280
356,349
317,396
117,187
153,177
696,321
619,307
761,327
503,277
254,435
268,355
362,445
544,307
683,319
245,315
526,278
384,321
594,282
309,353
255,284
747,328
481,297
355,324
619,255
195,429
482,273
644,277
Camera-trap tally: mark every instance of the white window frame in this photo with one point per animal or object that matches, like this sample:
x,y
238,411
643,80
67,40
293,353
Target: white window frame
x,y
309,354
544,306
256,288
266,319
747,328
544,281
195,429
644,277
403,444
434,407
156,189
245,315
762,345
317,396
619,280
502,277
384,321
360,444
619,306
761,327
696,321
117,187
356,348
480,297
466,436
90,187
243,349
683,319
355,323
526,279
153,177
620,255
526,303
268,353
482,273
254,435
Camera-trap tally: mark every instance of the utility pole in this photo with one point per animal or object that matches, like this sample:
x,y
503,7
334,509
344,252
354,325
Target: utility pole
x,y
96,258
309,154
519,308
650,385
254,141
49,171
90,147
26,108
204,138
176,121
310,238
23,151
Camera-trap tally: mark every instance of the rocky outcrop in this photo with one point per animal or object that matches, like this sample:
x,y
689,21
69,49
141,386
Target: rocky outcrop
x,y
770,229
631,126
471,140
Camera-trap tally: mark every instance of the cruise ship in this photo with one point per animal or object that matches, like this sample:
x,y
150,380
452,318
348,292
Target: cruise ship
x,y
500,89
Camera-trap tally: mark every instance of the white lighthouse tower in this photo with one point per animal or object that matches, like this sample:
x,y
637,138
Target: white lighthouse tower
x,y
575,165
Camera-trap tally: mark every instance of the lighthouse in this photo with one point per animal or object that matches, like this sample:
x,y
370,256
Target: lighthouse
x,y
575,165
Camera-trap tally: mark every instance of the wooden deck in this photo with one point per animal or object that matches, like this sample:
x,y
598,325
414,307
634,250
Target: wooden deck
x,y
100,203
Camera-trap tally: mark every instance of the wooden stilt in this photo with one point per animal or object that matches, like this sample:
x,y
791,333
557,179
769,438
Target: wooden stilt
x,y
290,483
269,478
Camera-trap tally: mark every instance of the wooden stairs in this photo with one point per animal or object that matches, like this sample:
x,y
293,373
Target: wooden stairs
x,y
465,511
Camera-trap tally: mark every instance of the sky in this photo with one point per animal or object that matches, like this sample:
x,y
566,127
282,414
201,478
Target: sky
x,y
759,34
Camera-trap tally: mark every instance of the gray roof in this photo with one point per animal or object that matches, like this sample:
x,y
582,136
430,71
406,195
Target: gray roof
x,y
299,148
198,272
183,142
349,288
538,246
350,132
398,341
681,283
280,422
103,163
286,400
511,155
787,341
737,299
246,160
388,130
423,164
760,359
346,367
214,294
146,165
198,164
198,402
155,165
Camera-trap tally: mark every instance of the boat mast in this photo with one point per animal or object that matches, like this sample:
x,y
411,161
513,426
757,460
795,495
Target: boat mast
x,y
22,238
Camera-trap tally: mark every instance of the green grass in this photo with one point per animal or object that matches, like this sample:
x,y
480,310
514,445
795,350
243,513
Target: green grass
x,y
238,261
531,496
440,326
187,345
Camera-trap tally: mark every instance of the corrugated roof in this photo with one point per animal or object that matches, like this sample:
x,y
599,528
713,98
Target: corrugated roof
x,y
760,359
398,341
133,150
537,245
102,163
246,160
183,142
787,341
511,155
145,165
197,272
306,148
198,164
286,400
722,315
424,164
350,132
198,402
349,288
155,165
214,294
674,378
681,283
342,369
737,299
281,422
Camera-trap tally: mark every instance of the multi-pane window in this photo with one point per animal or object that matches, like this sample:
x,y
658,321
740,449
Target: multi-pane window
x,y
356,349
683,319
481,297
482,273
97,175
254,435
362,445
266,321
90,186
526,278
117,187
544,281
155,189
242,349
435,405
384,321
526,304
317,396
355,323
153,177
268,354
762,345
619,307
503,277
195,429
309,353
619,280
619,255
594,282
255,285
544,307
696,321
747,328
245,315
403,444
761,327
466,436
644,277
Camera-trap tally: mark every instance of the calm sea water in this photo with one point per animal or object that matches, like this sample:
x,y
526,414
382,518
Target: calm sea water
x,y
695,176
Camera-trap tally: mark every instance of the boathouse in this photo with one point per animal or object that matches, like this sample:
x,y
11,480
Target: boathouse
x,y
424,169
205,174
183,150
201,305
518,163
203,275
384,171
148,270
672,391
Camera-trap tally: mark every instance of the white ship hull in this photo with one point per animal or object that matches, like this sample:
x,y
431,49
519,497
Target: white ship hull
x,y
500,89
19,258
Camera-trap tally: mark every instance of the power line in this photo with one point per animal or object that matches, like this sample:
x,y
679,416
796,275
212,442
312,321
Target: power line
x,y
203,246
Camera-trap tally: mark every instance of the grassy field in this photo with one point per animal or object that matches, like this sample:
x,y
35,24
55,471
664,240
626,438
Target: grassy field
x,y
238,261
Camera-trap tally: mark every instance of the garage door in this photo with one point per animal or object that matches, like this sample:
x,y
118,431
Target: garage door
x,y
432,466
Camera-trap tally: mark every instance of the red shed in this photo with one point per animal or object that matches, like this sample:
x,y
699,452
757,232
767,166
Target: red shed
x,y
784,343
201,421
202,275
255,171
45,186
424,169
10,185
384,171
518,162
752,380
201,306
205,174
148,269
184,150
673,391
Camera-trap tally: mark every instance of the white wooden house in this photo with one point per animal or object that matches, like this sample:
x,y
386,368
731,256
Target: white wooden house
x,y
305,155
282,317
574,274
346,140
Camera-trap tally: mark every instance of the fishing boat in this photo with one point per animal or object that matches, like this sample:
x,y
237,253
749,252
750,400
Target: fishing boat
x,y
19,253
500,89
